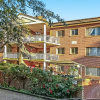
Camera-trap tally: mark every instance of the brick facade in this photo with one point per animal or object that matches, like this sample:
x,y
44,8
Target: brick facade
x,y
92,89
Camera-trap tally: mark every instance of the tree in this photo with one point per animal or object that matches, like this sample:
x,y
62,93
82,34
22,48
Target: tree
x,y
9,10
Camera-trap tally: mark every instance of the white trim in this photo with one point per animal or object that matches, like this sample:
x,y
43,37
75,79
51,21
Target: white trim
x,y
28,18
44,64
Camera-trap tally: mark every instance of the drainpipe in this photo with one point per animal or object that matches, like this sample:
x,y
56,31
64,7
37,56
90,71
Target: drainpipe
x,y
44,64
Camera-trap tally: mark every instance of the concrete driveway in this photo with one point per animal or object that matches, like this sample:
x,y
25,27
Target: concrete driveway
x,y
9,95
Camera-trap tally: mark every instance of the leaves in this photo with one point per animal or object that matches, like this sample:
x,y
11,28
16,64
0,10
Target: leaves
x,y
50,85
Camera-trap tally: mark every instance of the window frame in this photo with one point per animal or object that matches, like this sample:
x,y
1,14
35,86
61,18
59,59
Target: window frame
x,y
74,32
59,67
61,51
96,34
88,51
92,68
74,50
62,33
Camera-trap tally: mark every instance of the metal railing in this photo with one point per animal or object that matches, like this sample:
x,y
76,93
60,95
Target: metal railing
x,y
39,38
42,56
11,55
33,56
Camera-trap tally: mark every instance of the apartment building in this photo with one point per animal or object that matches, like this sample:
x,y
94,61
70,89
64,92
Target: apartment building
x,y
76,44
80,42
35,49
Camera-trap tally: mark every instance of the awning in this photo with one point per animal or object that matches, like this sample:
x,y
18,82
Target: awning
x,y
65,62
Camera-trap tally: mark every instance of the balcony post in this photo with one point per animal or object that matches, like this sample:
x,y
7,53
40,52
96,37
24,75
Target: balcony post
x,y
5,51
20,56
44,64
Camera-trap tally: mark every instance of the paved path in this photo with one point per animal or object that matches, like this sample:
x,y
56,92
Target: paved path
x,y
9,95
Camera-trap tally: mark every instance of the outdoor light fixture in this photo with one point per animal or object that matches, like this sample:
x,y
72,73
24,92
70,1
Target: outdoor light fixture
x,y
78,66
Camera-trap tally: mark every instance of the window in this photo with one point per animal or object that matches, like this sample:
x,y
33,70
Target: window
x,y
93,31
74,32
61,33
60,68
74,50
60,50
92,71
93,51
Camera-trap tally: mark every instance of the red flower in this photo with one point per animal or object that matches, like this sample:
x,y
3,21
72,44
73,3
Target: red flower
x,y
68,91
49,80
50,90
57,85
43,86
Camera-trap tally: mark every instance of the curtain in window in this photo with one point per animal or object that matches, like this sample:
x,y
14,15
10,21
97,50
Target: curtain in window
x,y
98,72
61,33
94,31
93,52
91,31
98,51
98,30
87,71
87,51
91,71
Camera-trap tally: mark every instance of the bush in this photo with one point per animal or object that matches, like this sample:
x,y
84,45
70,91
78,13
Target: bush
x,y
44,83
41,82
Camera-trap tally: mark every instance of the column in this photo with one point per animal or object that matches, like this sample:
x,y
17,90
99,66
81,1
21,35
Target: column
x,y
44,64
5,51
20,56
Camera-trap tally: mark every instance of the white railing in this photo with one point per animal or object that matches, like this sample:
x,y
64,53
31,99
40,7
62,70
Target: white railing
x,y
39,38
33,56
11,55
41,56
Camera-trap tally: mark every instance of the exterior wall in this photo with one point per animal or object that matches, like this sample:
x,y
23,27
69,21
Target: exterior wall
x,y
35,50
82,42
14,49
92,87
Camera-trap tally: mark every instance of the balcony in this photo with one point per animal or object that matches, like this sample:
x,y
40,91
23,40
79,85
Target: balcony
x,y
40,38
33,56
11,56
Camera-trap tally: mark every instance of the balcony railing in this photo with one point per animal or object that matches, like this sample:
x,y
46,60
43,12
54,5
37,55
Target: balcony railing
x,y
42,56
37,38
11,55
34,56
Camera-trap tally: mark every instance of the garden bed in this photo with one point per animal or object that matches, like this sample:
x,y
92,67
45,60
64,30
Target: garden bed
x,y
36,82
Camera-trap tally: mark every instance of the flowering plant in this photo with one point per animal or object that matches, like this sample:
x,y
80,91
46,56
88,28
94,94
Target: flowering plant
x,y
54,85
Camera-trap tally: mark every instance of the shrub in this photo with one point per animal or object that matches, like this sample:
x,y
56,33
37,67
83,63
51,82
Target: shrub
x,y
41,82
44,83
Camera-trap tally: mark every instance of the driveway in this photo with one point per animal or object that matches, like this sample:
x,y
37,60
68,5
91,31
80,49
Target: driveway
x,y
9,95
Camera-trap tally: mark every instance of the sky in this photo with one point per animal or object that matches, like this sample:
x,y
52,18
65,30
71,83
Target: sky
x,y
74,9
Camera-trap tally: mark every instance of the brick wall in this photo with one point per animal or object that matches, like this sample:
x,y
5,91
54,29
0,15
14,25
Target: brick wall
x,y
92,90
82,42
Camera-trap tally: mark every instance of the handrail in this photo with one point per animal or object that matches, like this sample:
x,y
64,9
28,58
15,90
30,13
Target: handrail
x,y
33,56
34,38
11,55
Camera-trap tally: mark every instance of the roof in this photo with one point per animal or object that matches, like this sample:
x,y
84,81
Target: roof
x,y
38,17
79,21
66,62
